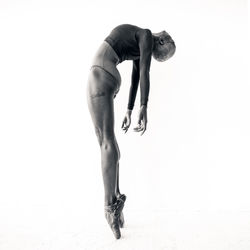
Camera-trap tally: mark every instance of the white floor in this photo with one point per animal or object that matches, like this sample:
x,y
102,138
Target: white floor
x,y
155,230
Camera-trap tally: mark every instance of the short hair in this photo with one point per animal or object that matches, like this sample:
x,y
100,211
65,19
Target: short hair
x,y
165,47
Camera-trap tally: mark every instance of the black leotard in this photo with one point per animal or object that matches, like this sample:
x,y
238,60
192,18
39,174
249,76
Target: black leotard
x,y
133,43
124,42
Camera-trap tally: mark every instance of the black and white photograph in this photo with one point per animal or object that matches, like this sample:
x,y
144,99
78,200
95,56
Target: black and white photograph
x,y
124,125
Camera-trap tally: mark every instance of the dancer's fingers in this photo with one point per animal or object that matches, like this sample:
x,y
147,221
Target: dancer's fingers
x,y
144,125
124,123
138,128
143,131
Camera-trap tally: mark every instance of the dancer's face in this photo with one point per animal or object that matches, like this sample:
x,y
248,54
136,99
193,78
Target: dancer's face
x,y
164,46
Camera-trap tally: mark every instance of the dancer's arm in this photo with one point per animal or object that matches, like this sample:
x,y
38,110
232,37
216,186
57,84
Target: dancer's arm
x,y
134,84
146,46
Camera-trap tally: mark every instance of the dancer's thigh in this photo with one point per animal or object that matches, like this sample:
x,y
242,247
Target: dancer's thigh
x,y
100,95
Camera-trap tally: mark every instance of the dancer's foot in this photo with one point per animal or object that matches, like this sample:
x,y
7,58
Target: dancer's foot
x,y
121,197
121,220
112,214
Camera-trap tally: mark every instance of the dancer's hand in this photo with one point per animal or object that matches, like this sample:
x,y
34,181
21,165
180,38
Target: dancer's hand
x,y
142,120
126,121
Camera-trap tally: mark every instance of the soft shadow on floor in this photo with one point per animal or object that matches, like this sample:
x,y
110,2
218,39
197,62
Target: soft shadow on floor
x,y
154,230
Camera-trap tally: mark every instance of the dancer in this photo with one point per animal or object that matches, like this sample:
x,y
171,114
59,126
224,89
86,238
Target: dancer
x,y
125,42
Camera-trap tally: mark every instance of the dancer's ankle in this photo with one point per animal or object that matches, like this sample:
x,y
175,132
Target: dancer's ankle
x,y
110,200
118,194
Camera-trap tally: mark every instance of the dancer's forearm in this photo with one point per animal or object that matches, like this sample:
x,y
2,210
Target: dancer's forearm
x,y
134,85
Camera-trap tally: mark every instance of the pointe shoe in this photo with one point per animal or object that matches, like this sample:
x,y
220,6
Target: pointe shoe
x,y
112,214
122,197
121,220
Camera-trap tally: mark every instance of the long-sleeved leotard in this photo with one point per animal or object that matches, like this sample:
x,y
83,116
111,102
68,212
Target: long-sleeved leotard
x,y
133,43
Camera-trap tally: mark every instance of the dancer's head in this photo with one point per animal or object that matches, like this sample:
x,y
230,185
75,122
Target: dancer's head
x,y
164,46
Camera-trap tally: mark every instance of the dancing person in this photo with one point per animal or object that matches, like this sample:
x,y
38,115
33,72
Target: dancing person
x,y
125,42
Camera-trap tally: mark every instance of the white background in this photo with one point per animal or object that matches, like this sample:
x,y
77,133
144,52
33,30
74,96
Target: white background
x,y
194,155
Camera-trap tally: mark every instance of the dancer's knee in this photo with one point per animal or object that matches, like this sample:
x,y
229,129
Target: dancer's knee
x,y
106,139
99,135
108,146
